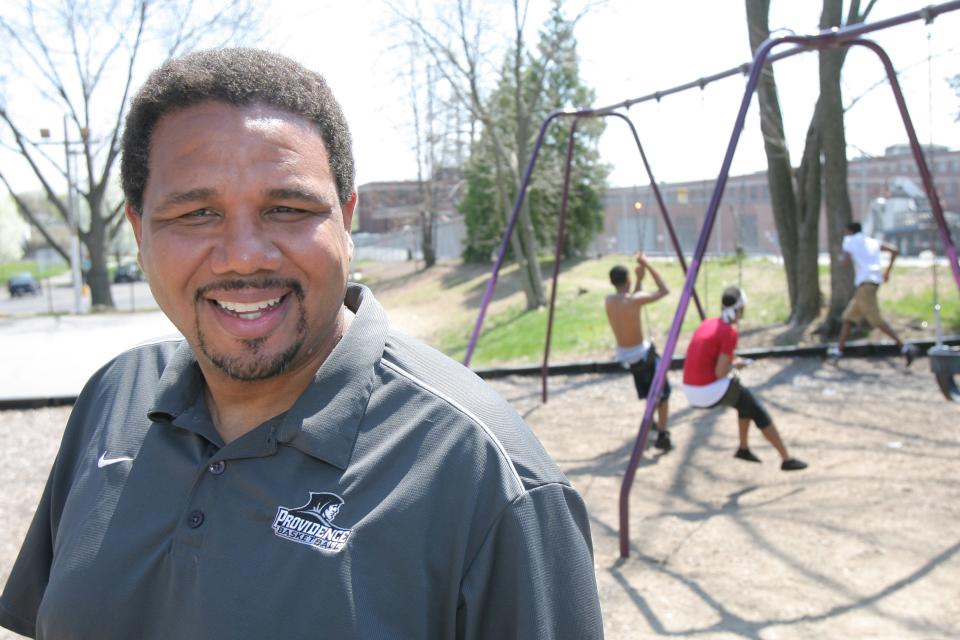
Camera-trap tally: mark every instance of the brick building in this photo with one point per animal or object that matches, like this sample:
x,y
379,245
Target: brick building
x,y
632,218
384,207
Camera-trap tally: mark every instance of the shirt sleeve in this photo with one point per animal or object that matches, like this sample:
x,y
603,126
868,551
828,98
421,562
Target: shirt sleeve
x,y
533,577
28,578
729,342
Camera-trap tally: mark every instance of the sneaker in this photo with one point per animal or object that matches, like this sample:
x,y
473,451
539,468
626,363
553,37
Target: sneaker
x,y
833,352
746,454
909,353
792,464
663,441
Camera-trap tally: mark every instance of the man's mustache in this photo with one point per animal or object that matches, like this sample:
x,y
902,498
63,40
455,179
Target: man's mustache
x,y
234,284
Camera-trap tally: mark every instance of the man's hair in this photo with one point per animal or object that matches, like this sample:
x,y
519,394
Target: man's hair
x,y
854,227
731,296
618,275
237,77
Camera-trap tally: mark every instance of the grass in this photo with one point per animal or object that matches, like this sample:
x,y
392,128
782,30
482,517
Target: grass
x,y
11,268
514,335
919,307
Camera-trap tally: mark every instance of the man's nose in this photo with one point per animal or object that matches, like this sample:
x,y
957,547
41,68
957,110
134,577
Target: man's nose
x,y
246,247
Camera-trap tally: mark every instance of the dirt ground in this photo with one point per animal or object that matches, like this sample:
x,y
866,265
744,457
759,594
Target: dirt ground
x,y
863,544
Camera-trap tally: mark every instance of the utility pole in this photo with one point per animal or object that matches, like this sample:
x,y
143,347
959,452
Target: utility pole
x,y
73,213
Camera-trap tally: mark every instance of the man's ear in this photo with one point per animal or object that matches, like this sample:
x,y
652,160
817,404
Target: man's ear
x,y
348,209
136,221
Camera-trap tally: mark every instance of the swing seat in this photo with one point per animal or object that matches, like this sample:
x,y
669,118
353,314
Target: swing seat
x,y
945,364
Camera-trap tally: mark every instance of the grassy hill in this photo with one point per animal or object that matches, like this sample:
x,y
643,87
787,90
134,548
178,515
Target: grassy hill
x,y
440,306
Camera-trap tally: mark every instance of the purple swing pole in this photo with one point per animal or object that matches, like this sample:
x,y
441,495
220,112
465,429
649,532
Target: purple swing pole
x,y
544,370
511,223
832,38
949,247
656,387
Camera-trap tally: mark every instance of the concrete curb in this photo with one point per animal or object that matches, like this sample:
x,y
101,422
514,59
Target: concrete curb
x,y
853,350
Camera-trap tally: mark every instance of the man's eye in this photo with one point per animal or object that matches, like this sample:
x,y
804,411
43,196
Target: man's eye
x,y
199,214
288,213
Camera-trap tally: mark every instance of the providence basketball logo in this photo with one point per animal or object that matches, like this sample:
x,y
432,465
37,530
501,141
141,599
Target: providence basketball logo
x,y
312,524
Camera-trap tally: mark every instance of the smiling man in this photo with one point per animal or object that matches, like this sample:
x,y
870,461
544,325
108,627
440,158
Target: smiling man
x,y
293,465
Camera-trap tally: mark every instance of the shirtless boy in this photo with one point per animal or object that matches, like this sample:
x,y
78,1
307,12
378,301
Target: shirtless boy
x,y
633,352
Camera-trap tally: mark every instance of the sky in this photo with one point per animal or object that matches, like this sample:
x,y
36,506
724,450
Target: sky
x,y
631,48
628,48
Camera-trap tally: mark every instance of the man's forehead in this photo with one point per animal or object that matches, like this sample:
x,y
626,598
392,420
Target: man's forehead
x,y
211,116
217,140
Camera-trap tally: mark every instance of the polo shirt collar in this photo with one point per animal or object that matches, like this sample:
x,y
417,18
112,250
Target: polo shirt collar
x,y
324,420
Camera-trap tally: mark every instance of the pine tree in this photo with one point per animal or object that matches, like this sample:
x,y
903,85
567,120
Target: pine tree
x,y
482,214
550,80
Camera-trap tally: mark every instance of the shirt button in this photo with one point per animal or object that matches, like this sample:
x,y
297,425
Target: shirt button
x,y
196,519
217,467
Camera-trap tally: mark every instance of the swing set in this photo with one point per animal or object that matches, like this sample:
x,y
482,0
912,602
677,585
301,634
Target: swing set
x,y
944,360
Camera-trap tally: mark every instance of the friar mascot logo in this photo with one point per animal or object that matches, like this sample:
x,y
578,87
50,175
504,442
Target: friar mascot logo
x,y
312,524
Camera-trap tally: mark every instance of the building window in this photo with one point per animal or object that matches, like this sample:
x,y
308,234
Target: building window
x,y
687,232
747,236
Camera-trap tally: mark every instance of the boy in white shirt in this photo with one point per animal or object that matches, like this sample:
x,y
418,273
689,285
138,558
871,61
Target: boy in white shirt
x,y
865,251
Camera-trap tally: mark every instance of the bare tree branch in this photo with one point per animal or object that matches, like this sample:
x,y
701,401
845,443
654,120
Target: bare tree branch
x,y
29,215
67,49
115,220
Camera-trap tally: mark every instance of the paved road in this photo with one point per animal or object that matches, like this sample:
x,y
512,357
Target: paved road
x,y
51,356
57,297
47,352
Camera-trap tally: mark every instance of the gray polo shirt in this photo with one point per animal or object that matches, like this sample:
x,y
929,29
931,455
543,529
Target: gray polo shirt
x,y
399,497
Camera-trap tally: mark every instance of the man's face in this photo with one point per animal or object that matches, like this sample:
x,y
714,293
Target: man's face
x,y
243,238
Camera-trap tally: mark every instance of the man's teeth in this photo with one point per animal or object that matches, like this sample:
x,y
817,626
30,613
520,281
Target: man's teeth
x,y
248,310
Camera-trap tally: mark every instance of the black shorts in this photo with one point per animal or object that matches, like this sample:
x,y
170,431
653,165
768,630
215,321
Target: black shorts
x,y
643,372
746,404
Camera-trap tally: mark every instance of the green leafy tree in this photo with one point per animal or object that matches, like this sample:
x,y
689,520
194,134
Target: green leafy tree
x,y
482,210
549,80
565,89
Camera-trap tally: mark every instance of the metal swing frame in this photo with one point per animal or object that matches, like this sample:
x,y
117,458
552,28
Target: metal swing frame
x,y
837,37
948,362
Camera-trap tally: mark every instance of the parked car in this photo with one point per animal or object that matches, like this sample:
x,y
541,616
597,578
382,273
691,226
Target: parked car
x,y
129,272
21,284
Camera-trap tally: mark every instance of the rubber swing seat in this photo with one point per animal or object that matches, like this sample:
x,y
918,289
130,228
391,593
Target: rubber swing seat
x,y
945,364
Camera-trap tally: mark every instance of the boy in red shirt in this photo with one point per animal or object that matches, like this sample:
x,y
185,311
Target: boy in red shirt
x,y
707,379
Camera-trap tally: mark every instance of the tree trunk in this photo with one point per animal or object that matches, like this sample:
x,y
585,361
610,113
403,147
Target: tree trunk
x,y
528,238
834,146
515,242
809,175
98,277
426,237
779,170
536,297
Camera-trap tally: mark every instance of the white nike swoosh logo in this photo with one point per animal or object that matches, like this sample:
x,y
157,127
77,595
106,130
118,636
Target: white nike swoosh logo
x,y
104,461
